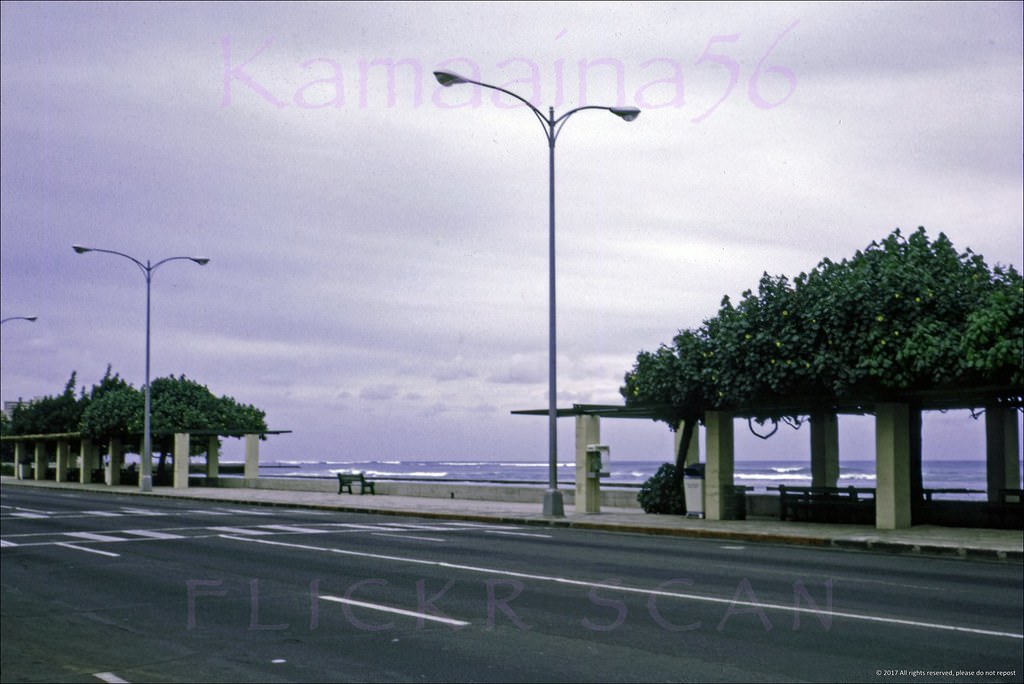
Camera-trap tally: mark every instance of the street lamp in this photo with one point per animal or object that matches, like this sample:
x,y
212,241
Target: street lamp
x,y
19,318
553,505
146,471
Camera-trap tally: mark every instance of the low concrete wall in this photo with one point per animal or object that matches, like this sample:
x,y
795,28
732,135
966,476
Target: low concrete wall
x,y
762,506
613,498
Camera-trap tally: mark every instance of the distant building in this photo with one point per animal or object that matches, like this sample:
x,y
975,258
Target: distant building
x,y
9,407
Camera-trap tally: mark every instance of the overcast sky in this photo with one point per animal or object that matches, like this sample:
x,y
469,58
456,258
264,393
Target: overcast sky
x,y
378,276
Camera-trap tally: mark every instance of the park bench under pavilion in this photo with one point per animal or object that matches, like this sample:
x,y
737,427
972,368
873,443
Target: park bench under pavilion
x,y
897,443
62,445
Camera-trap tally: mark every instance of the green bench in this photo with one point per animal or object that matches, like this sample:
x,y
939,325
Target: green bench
x,y
346,480
1008,509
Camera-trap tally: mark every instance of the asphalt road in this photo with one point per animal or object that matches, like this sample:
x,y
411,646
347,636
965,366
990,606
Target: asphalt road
x,y
105,588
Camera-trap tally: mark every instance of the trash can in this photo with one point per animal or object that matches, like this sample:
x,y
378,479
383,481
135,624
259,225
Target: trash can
x,y
693,490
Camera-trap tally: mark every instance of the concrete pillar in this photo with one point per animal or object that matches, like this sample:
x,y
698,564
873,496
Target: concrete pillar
x,y
63,460
181,459
20,459
1002,450
116,461
87,457
252,457
42,459
916,465
720,464
588,498
213,457
824,450
142,456
892,466
693,451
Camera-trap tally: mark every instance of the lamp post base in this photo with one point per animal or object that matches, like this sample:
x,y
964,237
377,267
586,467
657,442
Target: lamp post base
x,y
145,483
553,505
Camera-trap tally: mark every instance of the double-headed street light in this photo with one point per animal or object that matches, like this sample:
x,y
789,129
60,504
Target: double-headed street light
x,y
146,470
553,505
30,319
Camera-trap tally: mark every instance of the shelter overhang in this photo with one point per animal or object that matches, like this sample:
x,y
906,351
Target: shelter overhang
x,y
927,400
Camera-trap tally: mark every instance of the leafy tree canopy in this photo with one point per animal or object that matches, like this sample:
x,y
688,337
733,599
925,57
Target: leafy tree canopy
x,y
113,408
905,314
49,414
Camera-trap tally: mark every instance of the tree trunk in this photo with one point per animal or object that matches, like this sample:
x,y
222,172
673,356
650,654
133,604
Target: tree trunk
x,y
689,428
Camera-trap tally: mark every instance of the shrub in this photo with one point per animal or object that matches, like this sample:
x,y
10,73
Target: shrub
x,y
663,493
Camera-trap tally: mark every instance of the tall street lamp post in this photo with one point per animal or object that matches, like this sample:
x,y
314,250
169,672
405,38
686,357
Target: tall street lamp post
x,y
553,505
146,470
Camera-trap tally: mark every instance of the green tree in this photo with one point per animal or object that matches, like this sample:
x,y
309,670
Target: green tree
x,y
6,449
108,383
905,314
179,404
116,412
50,414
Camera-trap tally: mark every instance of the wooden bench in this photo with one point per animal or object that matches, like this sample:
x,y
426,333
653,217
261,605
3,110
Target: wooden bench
x,y
346,480
827,504
929,493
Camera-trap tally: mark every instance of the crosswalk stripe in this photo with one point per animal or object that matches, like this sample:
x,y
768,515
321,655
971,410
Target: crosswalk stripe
x,y
86,548
241,530
143,511
292,528
244,511
93,536
153,534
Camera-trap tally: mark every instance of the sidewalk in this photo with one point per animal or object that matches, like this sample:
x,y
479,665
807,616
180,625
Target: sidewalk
x,y
925,539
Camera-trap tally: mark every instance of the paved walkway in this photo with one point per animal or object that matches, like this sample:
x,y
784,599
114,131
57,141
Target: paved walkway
x,y
923,539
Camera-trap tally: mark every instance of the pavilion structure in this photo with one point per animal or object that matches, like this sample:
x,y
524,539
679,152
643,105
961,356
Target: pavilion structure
x,y
70,452
899,491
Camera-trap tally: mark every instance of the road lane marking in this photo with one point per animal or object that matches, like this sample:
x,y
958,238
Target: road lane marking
x,y
5,544
477,525
27,515
640,590
110,678
372,527
105,514
93,536
241,530
28,510
68,545
408,536
396,611
143,511
153,534
519,534
243,511
293,529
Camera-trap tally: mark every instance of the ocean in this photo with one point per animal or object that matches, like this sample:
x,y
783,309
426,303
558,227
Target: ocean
x,y
760,475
